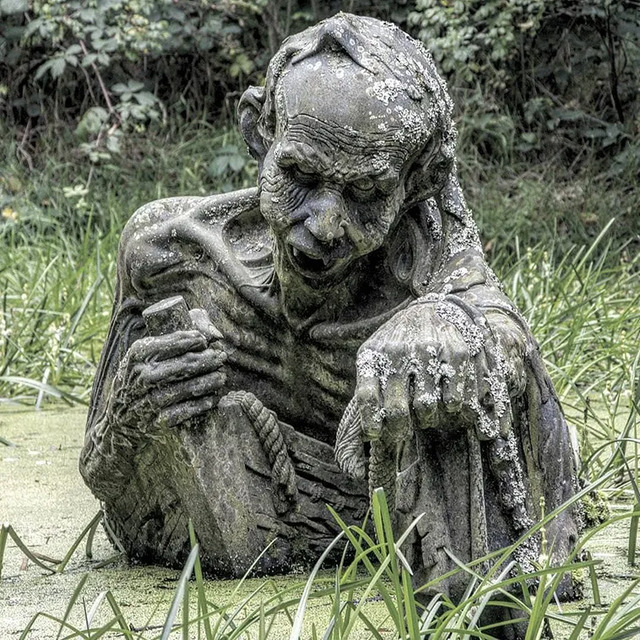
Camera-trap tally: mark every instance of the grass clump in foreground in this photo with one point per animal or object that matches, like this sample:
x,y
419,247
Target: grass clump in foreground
x,y
377,573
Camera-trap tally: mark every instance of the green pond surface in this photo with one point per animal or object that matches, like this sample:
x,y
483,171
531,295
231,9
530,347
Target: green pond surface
x,y
45,500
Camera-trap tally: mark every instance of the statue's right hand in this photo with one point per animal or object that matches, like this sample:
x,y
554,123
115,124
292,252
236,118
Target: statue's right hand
x,y
166,380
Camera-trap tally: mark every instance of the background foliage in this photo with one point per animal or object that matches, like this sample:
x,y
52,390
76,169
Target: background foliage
x,y
536,78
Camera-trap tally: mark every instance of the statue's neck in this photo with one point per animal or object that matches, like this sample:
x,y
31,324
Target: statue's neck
x,y
368,290
304,306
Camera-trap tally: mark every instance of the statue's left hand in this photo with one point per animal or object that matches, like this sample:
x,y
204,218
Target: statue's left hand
x,y
437,364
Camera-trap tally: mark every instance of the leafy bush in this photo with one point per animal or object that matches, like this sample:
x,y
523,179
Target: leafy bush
x,y
110,66
115,66
564,72
537,78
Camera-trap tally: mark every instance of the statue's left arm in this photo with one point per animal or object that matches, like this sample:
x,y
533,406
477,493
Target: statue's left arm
x,y
459,350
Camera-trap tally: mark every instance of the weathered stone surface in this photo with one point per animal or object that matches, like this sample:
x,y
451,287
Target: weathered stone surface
x,y
344,300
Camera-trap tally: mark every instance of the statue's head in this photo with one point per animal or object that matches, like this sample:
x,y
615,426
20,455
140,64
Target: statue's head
x,y
352,129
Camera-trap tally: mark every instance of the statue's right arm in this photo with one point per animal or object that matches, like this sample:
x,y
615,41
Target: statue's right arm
x,y
144,384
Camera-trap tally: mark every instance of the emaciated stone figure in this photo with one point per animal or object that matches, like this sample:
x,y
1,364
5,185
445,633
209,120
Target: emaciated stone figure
x,y
344,300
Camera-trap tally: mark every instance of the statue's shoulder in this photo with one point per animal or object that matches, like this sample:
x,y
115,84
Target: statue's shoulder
x,y
169,215
168,234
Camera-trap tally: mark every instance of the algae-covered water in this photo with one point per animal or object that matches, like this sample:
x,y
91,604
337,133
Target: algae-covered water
x,y
45,500
43,497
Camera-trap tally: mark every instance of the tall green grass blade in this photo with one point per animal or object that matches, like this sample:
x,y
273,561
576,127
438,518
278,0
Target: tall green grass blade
x,y
185,613
298,620
484,601
27,630
203,607
74,597
633,534
113,536
94,608
4,534
179,594
623,635
410,607
363,555
44,388
87,530
88,550
582,621
229,619
110,560
593,577
338,608
601,630
371,627
262,629
124,627
384,532
26,551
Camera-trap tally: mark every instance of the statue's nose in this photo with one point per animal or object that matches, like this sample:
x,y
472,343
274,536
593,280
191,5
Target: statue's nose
x,y
327,216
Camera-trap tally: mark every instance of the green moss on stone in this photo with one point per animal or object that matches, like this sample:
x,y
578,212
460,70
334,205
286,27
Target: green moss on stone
x,y
595,509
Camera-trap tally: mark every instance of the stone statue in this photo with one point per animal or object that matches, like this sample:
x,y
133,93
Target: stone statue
x,y
343,302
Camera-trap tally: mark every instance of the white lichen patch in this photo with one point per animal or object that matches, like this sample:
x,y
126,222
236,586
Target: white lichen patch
x,y
385,91
456,274
374,364
381,162
470,332
498,385
487,428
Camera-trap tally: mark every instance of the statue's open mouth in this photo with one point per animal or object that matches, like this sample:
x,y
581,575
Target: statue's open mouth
x,y
312,266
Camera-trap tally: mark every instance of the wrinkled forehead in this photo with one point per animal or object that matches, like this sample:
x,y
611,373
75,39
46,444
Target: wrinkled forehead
x,y
330,94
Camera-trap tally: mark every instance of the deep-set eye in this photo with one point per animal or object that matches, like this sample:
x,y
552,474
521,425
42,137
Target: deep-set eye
x,y
306,178
363,189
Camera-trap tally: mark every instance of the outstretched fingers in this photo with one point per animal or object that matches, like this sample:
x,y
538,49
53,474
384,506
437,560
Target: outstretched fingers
x,y
369,399
427,396
397,413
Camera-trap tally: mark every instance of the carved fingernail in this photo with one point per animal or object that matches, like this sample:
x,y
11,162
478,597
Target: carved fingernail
x,y
215,332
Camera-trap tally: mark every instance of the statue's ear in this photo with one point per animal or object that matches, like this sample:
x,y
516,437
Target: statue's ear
x,y
427,174
249,110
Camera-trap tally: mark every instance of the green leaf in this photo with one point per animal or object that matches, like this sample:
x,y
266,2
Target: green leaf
x,y
9,7
91,122
236,163
119,88
135,85
89,59
32,27
113,143
42,69
218,166
57,67
145,98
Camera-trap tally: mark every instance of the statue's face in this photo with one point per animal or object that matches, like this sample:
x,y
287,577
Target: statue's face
x,y
332,183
